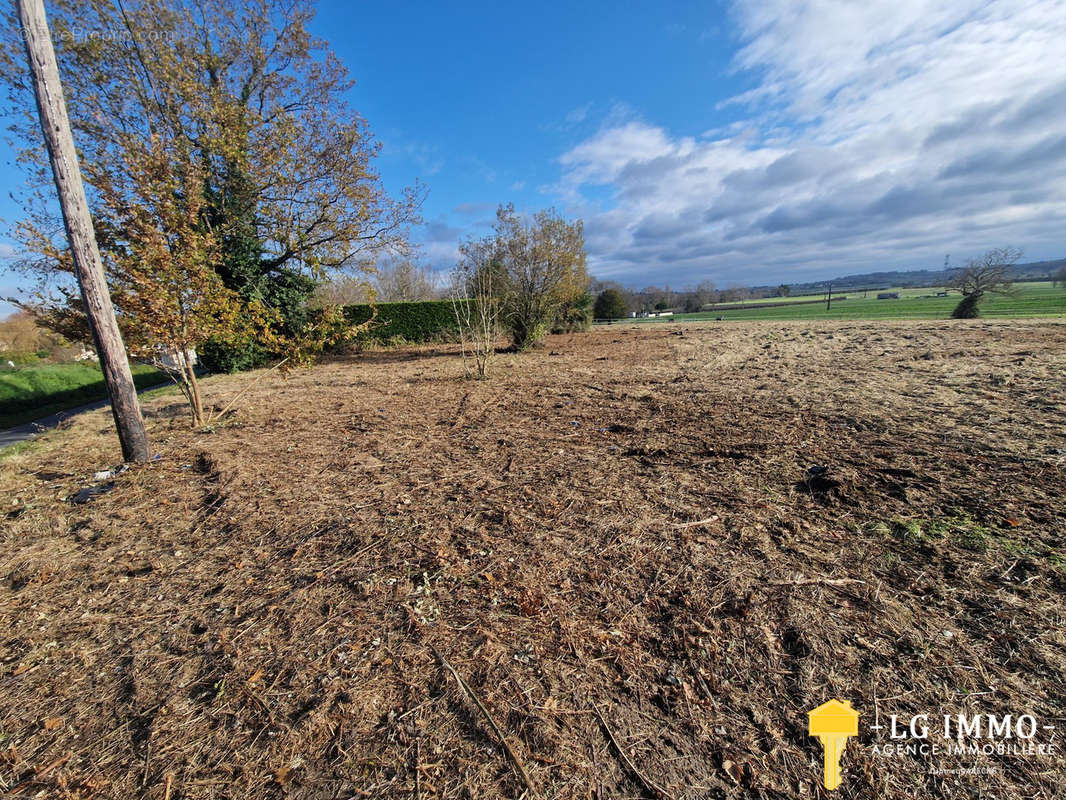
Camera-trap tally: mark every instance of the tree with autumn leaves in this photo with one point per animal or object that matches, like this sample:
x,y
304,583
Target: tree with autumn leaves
x,y
226,174
526,278
543,270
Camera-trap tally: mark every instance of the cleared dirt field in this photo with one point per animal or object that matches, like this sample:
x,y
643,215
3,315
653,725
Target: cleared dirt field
x,y
648,552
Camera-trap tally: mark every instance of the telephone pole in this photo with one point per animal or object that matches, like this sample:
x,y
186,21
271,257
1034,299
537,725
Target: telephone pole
x,y
52,109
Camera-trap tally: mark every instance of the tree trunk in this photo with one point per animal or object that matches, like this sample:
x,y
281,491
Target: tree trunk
x,y
55,125
194,391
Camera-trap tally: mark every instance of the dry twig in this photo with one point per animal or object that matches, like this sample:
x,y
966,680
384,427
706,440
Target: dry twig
x,y
648,784
469,692
245,390
817,581
696,523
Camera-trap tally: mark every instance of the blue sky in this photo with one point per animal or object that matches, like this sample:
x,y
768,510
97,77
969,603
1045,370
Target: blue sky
x,y
749,142
480,100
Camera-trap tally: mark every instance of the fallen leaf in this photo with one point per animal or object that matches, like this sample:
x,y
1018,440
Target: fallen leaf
x,y
735,771
52,723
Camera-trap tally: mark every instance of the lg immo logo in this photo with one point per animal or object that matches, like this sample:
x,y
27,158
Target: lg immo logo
x,y
967,734
834,722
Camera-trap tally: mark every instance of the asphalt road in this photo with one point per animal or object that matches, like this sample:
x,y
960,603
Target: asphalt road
x,y
28,430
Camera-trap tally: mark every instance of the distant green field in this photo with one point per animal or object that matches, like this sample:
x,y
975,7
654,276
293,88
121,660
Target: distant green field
x,y
30,393
852,293
1038,299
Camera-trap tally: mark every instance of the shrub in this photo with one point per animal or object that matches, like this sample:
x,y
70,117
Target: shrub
x,y
575,316
527,329
475,300
19,357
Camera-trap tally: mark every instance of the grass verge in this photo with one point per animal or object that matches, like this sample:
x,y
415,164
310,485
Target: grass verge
x,y
34,392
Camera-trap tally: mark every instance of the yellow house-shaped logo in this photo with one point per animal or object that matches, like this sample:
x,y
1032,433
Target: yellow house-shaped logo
x,y
833,722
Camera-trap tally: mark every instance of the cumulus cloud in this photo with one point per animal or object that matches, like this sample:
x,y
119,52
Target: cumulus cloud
x,y
438,243
881,134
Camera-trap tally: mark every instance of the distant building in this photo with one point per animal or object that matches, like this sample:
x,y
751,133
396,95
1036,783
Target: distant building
x,y
175,360
169,360
888,295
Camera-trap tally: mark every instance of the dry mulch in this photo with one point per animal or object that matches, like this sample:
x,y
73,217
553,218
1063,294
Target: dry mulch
x,y
647,551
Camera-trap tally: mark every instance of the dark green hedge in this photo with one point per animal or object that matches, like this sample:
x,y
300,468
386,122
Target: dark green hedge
x,y
222,357
428,321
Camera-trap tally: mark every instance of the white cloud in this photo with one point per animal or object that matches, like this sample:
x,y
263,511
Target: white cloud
x,y
579,114
439,255
438,241
881,134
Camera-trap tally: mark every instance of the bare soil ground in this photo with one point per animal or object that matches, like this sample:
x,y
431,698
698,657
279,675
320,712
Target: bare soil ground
x,y
648,552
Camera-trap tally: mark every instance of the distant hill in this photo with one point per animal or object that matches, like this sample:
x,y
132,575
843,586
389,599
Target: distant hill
x,y
916,278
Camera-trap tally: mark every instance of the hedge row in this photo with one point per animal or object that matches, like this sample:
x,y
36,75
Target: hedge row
x,y
428,321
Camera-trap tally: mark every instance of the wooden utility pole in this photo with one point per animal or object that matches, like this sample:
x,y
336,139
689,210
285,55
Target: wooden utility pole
x,y
52,109
829,297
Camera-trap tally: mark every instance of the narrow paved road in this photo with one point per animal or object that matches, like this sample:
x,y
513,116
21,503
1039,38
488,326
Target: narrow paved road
x,y
28,430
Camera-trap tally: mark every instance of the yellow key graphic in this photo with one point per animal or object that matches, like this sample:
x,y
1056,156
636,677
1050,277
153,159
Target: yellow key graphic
x,y
833,722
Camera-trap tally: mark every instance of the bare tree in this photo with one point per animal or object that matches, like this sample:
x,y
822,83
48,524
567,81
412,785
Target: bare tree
x,y
696,299
734,294
651,297
344,290
477,284
395,280
401,281
989,274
